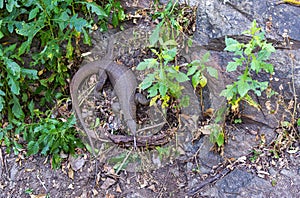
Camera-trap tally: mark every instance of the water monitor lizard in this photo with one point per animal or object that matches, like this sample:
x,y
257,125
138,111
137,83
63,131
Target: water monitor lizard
x,y
124,84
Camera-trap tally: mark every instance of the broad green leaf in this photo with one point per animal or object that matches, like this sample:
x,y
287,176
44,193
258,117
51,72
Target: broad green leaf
x,y
86,37
195,63
169,55
170,43
205,57
147,63
190,42
147,82
196,79
220,139
232,45
142,66
174,88
153,90
29,73
181,77
33,148
1,4
10,4
248,49
212,72
1,34
33,13
203,81
298,122
2,101
24,47
229,92
255,64
155,35
253,30
115,20
78,23
192,70
95,8
263,85
232,66
69,49
63,19
121,15
10,49
13,84
163,89
13,68
265,52
30,29
31,107
17,109
243,87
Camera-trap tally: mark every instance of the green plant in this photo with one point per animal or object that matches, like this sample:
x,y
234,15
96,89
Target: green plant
x,y
118,15
196,69
216,128
13,81
168,26
46,34
255,155
298,122
164,80
174,19
121,161
252,62
273,182
160,83
51,137
29,191
163,151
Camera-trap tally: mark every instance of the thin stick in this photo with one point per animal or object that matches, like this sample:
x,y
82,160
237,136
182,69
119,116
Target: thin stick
x,y
151,127
125,159
41,182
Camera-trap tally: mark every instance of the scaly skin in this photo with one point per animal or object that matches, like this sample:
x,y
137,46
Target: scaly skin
x,y
124,84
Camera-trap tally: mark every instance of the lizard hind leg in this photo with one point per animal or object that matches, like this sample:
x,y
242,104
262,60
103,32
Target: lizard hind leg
x,y
100,84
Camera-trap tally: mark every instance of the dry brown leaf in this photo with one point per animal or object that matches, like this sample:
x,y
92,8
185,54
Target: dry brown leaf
x,y
71,173
38,196
110,196
107,183
118,189
95,192
76,163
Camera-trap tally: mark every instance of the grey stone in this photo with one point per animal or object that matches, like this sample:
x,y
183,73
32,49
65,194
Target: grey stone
x,y
233,182
206,157
217,19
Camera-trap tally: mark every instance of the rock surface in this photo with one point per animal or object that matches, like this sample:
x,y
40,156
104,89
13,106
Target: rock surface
x,y
217,19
